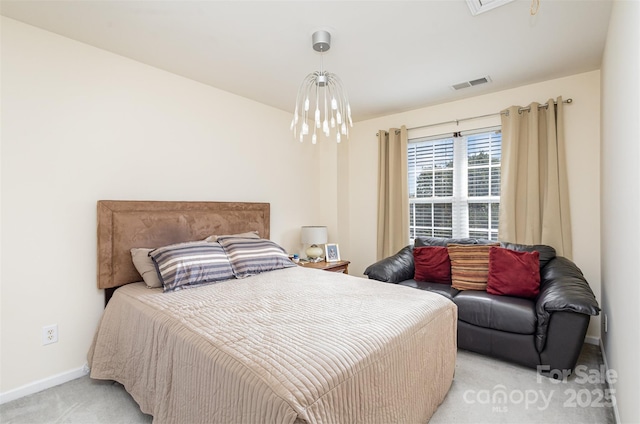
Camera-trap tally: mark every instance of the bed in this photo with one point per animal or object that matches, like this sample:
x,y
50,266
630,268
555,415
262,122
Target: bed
x,y
291,345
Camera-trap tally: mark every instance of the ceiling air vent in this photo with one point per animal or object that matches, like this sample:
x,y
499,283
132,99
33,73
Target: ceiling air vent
x,y
461,85
472,83
481,6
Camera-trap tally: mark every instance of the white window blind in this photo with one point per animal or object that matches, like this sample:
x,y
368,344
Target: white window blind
x,y
454,185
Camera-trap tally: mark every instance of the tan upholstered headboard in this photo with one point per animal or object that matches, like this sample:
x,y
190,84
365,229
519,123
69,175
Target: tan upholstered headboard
x,y
123,225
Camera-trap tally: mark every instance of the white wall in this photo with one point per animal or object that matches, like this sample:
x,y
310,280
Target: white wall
x,y
80,124
582,131
620,203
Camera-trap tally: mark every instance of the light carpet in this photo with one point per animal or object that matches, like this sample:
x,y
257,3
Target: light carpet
x,y
484,390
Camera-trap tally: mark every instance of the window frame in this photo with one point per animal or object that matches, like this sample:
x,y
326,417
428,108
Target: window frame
x,y
459,199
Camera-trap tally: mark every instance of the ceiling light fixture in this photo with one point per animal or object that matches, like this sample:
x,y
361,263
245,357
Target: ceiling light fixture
x,y
481,6
322,91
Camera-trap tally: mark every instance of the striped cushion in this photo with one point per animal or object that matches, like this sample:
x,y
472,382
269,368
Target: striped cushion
x,y
253,256
191,264
469,266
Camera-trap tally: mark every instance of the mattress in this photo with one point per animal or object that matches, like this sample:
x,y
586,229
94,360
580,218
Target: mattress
x,y
291,345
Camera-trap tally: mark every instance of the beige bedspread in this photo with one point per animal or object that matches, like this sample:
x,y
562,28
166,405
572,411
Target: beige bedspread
x,y
287,345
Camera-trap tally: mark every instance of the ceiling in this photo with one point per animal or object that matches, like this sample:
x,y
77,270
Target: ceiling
x,y
392,56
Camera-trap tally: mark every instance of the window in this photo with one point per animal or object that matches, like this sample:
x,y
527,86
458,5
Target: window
x,y
454,185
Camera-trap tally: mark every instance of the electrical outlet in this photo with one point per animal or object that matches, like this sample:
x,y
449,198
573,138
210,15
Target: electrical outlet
x,y
50,334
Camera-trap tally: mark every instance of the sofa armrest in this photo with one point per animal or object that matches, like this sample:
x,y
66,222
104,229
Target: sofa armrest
x,y
393,269
562,288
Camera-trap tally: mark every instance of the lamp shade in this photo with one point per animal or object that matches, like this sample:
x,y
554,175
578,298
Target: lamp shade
x,y
313,235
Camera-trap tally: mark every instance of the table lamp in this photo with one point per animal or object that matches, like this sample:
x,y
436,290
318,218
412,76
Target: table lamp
x,y
312,236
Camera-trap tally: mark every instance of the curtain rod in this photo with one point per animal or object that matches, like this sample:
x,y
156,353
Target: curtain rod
x,y
457,121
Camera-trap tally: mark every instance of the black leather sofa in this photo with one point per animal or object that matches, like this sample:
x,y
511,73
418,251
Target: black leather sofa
x,y
546,333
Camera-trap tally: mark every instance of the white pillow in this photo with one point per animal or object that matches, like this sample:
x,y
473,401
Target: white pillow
x,y
144,264
249,235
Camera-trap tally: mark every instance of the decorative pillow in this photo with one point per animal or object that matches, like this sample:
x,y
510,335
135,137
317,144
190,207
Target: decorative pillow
x,y
145,267
191,264
513,273
432,264
250,234
469,266
250,256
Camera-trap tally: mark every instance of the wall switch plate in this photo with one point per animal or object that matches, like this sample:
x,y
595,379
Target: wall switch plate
x,y
50,334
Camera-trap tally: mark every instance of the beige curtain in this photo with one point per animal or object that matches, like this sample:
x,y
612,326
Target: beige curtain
x,y
534,199
393,192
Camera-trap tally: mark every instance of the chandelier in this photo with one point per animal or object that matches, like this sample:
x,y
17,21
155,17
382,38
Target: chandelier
x,y
322,103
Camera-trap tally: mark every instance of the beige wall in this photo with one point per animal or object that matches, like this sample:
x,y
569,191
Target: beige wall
x,y
80,124
583,151
620,203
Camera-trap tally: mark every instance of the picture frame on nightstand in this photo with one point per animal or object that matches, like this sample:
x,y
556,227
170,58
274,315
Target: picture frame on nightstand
x,y
331,252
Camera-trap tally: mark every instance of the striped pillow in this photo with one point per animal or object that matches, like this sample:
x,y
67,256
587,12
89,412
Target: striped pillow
x,y
253,256
469,265
191,264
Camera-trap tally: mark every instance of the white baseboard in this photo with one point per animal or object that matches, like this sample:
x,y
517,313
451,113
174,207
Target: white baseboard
x,y
40,385
593,341
616,414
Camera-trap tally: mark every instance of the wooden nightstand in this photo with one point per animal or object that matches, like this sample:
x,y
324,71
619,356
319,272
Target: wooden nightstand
x,y
338,266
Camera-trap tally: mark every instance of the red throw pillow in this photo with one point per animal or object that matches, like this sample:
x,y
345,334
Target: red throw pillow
x,y
432,264
513,273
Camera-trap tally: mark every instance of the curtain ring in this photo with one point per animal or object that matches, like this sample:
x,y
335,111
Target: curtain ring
x,y
535,6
